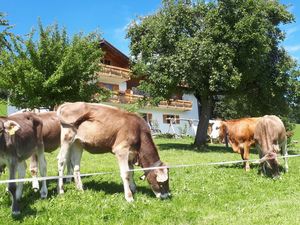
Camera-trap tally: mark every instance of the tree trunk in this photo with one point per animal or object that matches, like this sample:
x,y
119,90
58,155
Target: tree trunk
x,y
204,108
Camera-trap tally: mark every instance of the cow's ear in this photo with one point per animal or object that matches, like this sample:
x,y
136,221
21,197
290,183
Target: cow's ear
x,y
161,175
11,127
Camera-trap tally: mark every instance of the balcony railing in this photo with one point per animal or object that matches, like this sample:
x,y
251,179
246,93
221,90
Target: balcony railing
x,y
114,71
126,98
177,104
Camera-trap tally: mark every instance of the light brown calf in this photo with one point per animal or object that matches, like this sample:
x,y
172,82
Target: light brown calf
x,y
270,137
239,133
99,129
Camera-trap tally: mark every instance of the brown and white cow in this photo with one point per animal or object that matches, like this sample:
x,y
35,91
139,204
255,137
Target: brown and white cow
x,y
239,133
20,137
270,137
99,129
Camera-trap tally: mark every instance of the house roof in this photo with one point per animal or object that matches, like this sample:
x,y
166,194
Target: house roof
x,y
105,43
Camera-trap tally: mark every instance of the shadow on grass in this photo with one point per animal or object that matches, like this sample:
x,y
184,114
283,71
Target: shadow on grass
x,y
204,148
29,197
255,167
239,166
190,147
112,187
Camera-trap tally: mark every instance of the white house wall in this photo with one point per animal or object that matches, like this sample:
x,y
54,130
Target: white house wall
x,y
123,86
12,109
157,115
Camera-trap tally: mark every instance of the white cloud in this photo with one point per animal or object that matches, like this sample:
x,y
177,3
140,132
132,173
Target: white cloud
x,y
292,48
290,31
118,35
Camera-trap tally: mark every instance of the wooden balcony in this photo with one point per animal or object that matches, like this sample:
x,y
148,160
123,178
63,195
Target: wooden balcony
x,y
113,74
124,98
176,104
127,98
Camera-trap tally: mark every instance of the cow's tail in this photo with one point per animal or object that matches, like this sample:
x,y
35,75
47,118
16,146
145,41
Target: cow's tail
x,y
75,124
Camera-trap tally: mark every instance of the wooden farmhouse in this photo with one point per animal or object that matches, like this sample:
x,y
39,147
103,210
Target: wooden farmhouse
x,y
177,115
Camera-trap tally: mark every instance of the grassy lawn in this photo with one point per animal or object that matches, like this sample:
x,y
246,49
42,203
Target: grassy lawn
x,y
201,195
3,108
296,137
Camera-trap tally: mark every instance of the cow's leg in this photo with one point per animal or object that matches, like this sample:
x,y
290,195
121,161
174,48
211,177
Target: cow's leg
x,y
235,148
61,160
122,153
75,160
284,152
70,168
43,171
21,175
264,169
246,154
34,171
132,184
12,187
261,165
67,136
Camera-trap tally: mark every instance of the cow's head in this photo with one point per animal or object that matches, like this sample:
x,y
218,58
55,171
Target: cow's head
x,y
159,182
8,130
270,163
223,133
10,127
219,131
215,129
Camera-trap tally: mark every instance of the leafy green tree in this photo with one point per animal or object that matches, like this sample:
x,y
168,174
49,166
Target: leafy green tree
x,y
5,34
52,69
213,49
294,97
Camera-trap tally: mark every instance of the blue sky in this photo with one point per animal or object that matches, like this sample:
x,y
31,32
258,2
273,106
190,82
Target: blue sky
x,y
110,17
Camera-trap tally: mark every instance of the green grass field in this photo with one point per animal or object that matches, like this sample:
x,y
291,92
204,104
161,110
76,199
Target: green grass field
x,y
296,137
201,195
3,108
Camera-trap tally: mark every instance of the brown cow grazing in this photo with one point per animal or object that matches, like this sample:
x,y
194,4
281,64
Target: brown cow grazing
x,y
99,129
270,137
51,139
239,133
20,137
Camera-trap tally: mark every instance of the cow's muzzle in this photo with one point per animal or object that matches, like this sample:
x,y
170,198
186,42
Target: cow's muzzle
x,y
163,196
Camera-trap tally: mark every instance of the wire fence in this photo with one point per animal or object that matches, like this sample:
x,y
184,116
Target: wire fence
x,y
254,161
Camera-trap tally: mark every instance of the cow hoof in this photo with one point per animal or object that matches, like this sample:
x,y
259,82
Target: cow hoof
x,y
79,188
44,195
165,196
60,190
133,189
129,199
277,177
16,213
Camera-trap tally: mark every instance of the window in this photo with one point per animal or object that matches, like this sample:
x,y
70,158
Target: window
x,y
107,62
112,87
147,117
167,118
